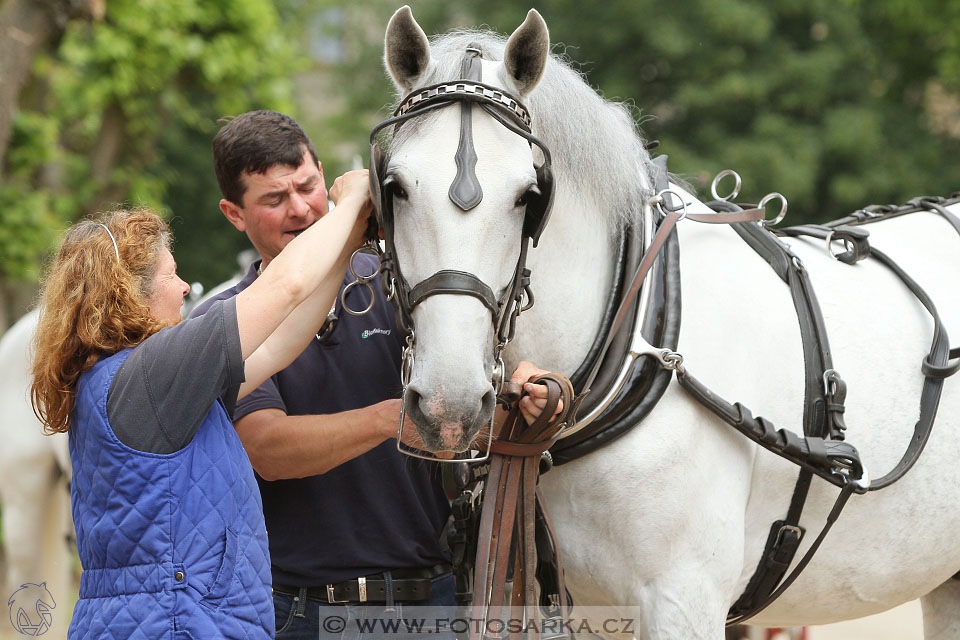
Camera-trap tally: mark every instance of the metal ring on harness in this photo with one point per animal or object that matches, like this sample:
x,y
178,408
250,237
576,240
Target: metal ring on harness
x,y
359,280
716,182
783,208
661,201
343,298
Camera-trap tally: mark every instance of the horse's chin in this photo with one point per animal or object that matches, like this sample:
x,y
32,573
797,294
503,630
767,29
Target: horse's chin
x,y
445,437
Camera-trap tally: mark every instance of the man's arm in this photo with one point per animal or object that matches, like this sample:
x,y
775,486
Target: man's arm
x,y
282,447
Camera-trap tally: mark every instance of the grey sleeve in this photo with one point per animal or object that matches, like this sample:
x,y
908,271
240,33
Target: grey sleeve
x,y
162,392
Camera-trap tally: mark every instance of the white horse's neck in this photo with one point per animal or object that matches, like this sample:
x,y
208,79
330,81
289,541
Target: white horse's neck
x,y
574,250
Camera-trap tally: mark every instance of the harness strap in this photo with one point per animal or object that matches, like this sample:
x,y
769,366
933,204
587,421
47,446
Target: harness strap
x,y
936,360
838,506
785,535
456,282
822,417
507,534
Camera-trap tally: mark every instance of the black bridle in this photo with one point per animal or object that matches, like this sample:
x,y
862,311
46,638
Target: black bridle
x,y
466,193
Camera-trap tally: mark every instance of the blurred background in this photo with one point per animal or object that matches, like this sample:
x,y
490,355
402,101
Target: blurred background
x,y
835,103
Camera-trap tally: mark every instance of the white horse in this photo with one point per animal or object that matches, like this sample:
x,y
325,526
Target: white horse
x,y
34,475
668,522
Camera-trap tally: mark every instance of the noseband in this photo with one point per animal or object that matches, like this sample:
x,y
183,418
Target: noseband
x,y
466,193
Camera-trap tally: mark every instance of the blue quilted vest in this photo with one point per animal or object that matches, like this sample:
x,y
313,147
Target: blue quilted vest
x,y
172,545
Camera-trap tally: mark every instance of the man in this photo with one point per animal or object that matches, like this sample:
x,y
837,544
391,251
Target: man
x,y
349,518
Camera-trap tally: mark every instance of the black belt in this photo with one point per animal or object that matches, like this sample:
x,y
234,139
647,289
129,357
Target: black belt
x,y
408,585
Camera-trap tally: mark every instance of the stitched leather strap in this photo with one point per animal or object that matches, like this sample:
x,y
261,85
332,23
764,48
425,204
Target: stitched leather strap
x,y
456,282
507,537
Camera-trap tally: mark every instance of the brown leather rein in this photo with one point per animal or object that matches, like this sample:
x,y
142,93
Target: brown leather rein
x,y
507,535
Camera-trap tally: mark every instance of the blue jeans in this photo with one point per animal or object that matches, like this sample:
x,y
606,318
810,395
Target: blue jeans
x,y
308,619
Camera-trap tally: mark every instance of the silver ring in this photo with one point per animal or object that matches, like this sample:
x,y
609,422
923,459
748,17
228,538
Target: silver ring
x,y
498,374
716,182
346,289
356,276
783,208
662,202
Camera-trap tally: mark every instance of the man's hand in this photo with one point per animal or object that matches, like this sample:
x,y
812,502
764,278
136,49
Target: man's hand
x,y
532,405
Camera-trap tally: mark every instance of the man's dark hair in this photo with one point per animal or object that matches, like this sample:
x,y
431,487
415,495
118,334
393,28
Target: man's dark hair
x,y
253,142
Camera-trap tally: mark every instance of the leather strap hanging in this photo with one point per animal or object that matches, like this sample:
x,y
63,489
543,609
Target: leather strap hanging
x,y
507,536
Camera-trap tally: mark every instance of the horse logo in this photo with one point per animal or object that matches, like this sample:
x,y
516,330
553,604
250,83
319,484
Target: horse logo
x,y
30,607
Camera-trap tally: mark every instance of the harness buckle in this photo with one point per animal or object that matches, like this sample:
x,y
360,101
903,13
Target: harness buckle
x,y
788,528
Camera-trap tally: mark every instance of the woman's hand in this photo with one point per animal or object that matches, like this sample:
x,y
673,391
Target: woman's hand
x,y
354,186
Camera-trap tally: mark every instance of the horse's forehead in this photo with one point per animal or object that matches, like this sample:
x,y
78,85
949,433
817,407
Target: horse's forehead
x,y
502,156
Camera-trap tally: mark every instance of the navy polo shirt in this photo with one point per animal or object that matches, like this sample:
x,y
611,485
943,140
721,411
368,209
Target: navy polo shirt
x,y
379,511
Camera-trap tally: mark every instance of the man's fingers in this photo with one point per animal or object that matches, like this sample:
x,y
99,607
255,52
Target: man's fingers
x,y
534,405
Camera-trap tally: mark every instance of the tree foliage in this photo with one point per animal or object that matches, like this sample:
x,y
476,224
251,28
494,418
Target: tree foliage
x,y
103,119
834,104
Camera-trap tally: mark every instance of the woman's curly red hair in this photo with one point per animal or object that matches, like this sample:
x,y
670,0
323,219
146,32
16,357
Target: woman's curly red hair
x,y
93,304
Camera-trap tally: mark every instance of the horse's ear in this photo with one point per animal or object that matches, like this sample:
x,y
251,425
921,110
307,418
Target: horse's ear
x,y
406,49
525,56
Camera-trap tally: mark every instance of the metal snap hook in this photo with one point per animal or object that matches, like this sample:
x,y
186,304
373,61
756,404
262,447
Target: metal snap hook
x,y
716,182
390,288
783,208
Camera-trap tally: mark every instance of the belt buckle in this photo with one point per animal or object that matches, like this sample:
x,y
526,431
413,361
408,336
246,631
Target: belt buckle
x,y
331,598
362,583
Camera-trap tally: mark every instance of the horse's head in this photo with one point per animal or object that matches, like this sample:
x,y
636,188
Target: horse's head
x,y
457,189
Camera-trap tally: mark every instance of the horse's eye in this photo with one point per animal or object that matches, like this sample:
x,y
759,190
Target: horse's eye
x,y
398,192
528,195
391,187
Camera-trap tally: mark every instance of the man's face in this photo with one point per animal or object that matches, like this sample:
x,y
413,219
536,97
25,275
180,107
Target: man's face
x,y
279,204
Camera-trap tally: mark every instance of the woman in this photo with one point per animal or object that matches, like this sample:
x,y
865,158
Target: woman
x,y
168,517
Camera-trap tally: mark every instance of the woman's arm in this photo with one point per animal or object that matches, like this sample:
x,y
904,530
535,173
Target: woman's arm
x,y
294,334
307,274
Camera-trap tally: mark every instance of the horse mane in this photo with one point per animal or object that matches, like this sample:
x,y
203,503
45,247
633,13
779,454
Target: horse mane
x,y
595,145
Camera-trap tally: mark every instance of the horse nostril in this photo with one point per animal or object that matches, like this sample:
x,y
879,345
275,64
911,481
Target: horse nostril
x,y
487,404
412,400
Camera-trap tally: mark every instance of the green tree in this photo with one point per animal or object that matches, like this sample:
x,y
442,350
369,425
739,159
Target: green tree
x,y
110,114
835,105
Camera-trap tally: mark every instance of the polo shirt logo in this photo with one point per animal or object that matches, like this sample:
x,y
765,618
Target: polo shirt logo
x,y
370,332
